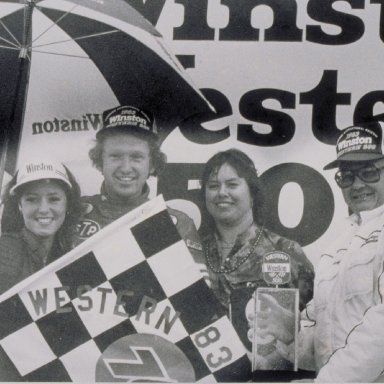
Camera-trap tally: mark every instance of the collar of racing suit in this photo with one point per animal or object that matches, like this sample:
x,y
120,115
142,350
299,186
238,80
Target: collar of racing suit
x,y
114,207
363,217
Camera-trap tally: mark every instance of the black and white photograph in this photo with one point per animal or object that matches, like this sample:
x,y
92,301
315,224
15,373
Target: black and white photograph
x,y
191,191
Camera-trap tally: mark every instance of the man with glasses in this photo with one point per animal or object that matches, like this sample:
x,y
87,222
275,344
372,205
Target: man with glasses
x,y
342,329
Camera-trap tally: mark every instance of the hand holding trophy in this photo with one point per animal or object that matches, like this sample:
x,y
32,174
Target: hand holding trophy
x,y
275,320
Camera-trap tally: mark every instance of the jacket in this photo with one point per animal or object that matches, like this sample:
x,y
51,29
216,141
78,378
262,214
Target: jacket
x,y
345,331
100,210
21,255
251,270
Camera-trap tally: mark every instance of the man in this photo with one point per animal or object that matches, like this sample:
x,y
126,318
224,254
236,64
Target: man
x,y
343,335
127,152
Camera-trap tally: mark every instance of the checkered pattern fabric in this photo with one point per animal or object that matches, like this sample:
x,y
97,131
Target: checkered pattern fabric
x,y
134,277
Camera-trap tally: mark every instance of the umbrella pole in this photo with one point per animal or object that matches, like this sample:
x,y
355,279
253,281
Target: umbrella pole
x,y
12,133
3,159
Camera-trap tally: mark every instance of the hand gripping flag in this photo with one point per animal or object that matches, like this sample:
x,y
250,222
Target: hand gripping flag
x,y
127,305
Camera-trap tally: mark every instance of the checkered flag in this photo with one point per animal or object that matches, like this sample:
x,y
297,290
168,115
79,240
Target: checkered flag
x,y
128,305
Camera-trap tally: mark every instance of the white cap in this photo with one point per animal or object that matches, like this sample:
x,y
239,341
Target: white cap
x,y
38,170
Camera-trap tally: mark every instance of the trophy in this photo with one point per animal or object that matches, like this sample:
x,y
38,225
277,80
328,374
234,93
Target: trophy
x,y
275,312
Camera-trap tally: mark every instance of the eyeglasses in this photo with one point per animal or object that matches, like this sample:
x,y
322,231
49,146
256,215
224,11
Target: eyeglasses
x,y
345,179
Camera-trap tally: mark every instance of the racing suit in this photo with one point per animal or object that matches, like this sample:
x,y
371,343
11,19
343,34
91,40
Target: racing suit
x,y
346,335
101,210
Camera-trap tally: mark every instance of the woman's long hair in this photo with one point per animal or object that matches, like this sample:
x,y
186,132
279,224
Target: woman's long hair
x,y
12,219
245,168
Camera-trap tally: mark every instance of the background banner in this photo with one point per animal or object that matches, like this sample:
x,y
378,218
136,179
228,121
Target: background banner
x,y
283,75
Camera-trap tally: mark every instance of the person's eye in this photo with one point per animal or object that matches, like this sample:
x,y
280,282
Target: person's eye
x,y
369,173
233,184
138,157
54,199
212,186
345,175
31,199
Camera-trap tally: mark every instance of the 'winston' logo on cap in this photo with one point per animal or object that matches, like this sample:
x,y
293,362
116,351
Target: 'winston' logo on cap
x,y
32,168
127,119
38,167
357,139
363,142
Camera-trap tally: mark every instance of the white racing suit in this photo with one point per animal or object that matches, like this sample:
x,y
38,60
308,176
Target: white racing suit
x,y
346,337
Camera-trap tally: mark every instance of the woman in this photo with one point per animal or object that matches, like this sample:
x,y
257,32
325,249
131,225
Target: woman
x,y
41,208
235,238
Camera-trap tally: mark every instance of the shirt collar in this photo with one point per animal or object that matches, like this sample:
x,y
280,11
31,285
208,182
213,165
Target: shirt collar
x,y
366,216
33,242
38,247
121,201
242,237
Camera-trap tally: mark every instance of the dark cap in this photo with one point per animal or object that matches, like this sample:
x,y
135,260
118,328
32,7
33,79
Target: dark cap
x,y
362,142
127,118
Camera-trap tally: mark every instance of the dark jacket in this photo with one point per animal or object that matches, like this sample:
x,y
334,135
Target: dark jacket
x,y
21,255
100,210
250,271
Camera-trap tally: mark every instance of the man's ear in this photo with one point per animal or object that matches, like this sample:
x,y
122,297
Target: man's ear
x,y
152,169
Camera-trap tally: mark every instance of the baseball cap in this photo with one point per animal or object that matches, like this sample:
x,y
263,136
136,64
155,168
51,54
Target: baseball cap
x,y
361,142
127,117
38,170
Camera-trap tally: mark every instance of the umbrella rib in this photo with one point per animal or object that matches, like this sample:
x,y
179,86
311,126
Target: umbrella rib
x,y
6,47
60,54
11,34
54,23
10,43
77,38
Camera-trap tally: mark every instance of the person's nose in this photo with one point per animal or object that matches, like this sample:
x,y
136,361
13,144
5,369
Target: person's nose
x,y
223,191
44,206
126,164
358,183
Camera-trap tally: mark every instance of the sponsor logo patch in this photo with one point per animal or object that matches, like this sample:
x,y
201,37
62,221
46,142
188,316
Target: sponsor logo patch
x,y
276,268
86,228
144,358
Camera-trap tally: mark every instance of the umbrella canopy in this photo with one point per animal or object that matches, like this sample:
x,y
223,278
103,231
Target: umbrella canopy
x,y
66,60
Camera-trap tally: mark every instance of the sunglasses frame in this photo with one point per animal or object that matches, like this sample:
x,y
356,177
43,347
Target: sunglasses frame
x,y
356,173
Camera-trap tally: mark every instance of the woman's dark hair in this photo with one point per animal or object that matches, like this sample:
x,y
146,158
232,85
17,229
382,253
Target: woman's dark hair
x,y
158,158
245,168
12,219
